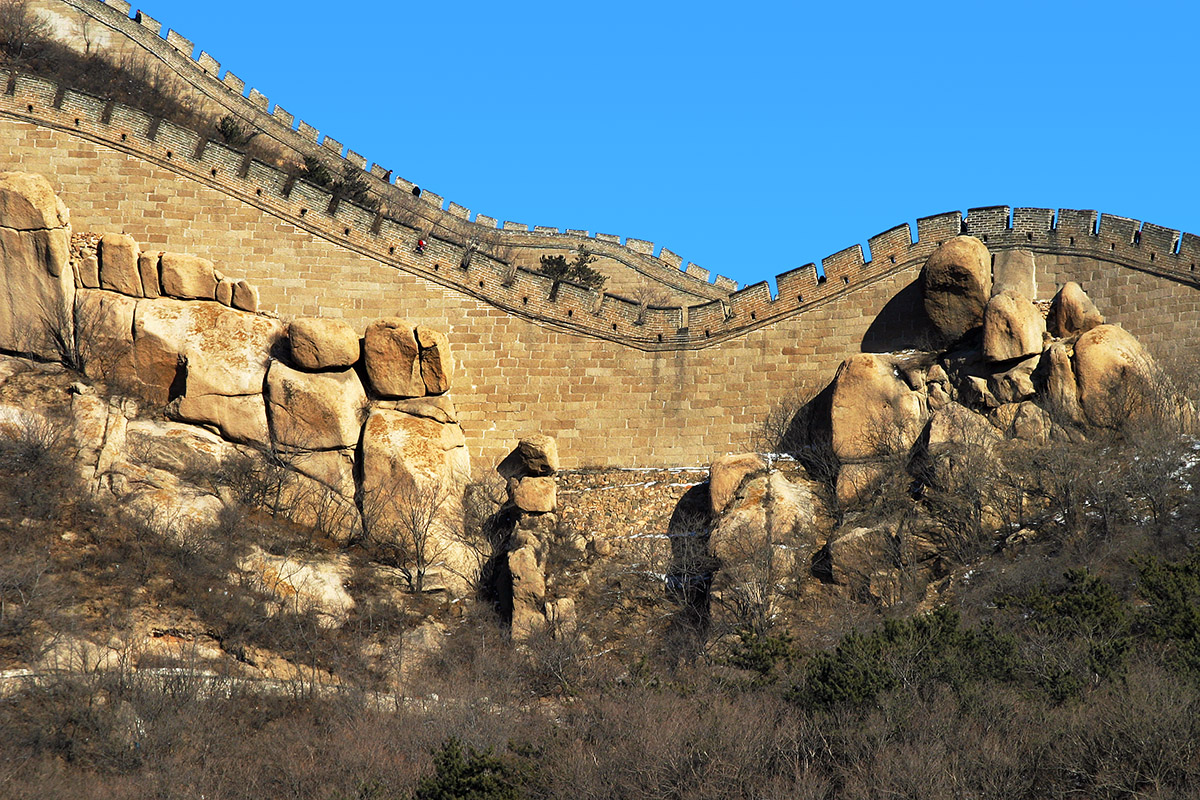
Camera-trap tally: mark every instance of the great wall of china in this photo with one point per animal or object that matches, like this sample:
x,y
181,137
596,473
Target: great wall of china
x,y
617,382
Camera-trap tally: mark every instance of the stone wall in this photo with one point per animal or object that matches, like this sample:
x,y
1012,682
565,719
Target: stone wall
x,y
616,384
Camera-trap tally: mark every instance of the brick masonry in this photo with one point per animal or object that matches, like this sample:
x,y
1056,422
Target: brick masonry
x,y
618,385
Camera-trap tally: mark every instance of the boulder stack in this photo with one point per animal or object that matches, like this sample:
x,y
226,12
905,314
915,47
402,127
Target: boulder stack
x,y
957,282
529,515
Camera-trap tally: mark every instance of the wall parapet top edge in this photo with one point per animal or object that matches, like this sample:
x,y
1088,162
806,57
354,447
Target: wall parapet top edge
x,y
1122,240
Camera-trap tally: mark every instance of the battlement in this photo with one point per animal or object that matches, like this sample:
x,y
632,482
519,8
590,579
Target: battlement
x,y
728,313
1144,246
203,72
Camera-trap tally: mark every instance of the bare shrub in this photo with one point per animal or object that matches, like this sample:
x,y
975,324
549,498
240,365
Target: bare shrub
x,y
649,294
22,31
410,524
35,453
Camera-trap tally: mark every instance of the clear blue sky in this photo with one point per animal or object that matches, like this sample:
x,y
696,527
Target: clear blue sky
x,y
749,138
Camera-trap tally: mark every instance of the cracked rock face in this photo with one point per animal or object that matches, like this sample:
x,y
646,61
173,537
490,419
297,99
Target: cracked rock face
x,y
393,358
38,291
314,411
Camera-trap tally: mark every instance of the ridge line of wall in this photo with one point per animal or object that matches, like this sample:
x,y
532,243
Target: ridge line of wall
x,y
203,73
529,295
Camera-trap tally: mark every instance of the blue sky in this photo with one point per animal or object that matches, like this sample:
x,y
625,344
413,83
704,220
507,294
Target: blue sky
x,y
748,138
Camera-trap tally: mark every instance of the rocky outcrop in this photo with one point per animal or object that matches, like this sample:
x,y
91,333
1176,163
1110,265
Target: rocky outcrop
x,y
171,329
527,526
957,282
138,463
314,584
38,291
413,473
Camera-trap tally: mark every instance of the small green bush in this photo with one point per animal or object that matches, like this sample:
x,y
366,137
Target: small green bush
x,y
577,270
468,775
919,652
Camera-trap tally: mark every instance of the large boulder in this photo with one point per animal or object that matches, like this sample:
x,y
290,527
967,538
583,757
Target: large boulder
x,y
1012,327
1115,376
1072,311
28,203
1015,270
393,358
726,475
873,412
534,495
187,277
319,343
1062,389
535,455
226,354
119,270
37,294
314,411
400,449
148,273
957,282
245,297
225,292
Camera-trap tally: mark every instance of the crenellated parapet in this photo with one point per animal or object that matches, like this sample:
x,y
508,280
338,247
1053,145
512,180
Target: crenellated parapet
x,y
202,72
723,311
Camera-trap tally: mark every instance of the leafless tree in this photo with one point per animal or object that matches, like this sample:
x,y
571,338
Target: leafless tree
x,y
412,524
650,294
21,29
